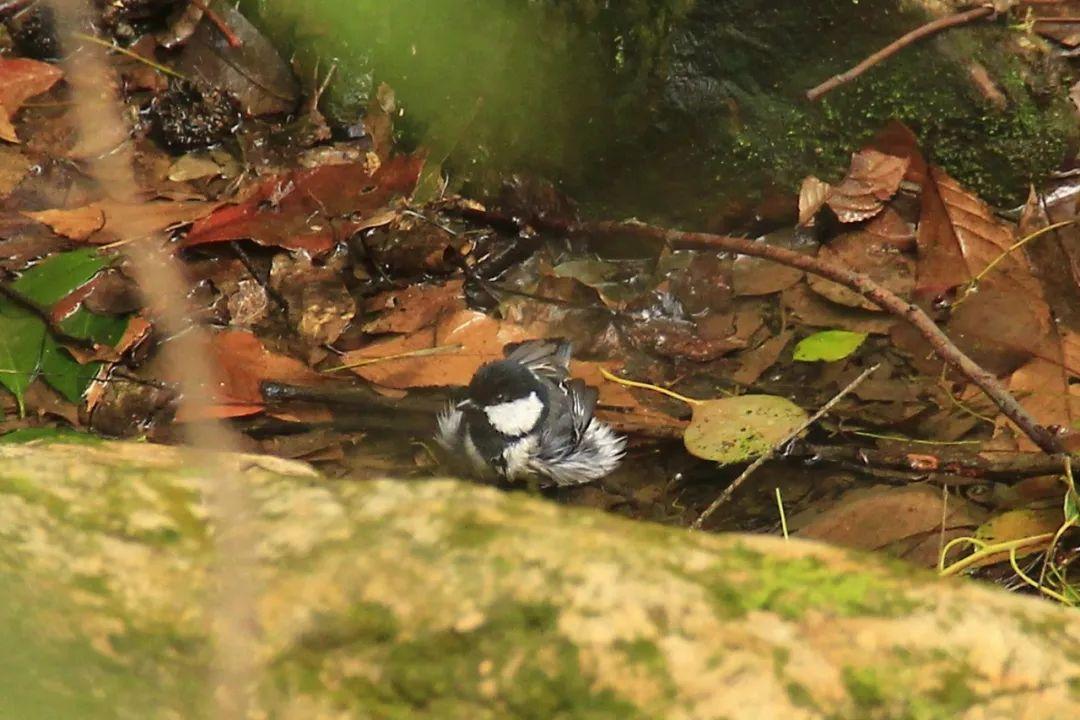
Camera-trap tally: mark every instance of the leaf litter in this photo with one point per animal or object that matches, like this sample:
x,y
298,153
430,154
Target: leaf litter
x,y
321,269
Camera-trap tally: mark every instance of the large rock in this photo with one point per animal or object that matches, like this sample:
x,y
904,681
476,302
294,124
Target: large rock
x,y
440,600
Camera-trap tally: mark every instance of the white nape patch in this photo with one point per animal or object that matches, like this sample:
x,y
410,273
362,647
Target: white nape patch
x,y
516,417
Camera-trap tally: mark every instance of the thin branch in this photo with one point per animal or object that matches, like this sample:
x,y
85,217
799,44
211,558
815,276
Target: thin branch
x,y
899,44
730,489
1007,467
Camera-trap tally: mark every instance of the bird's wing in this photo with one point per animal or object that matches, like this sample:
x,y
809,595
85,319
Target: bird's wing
x,y
547,358
582,404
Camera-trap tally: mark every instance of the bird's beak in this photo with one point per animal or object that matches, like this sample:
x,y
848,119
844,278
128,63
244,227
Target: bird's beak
x,y
465,404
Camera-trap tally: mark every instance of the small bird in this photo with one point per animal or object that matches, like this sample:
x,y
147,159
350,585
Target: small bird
x,y
523,418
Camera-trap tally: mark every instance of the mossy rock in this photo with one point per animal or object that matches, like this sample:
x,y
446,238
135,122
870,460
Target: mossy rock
x,y
442,600
685,110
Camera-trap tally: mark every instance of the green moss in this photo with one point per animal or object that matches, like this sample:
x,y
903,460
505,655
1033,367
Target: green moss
x,y
790,587
469,532
531,672
864,688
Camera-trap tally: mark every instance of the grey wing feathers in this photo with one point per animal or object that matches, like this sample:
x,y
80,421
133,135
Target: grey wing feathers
x,y
582,404
547,358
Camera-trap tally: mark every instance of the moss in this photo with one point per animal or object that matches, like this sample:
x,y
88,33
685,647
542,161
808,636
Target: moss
x,y
864,688
791,586
531,673
469,532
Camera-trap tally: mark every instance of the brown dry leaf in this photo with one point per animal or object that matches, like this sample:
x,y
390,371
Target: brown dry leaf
x,y
812,310
481,338
415,307
14,166
997,329
868,254
874,177
1055,255
758,276
905,521
100,223
1042,386
890,228
77,224
812,196
242,364
752,363
20,80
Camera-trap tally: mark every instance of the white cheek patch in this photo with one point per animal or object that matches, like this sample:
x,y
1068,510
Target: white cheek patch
x,y
516,417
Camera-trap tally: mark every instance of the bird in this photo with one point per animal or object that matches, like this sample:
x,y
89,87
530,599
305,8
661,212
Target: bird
x,y
525,419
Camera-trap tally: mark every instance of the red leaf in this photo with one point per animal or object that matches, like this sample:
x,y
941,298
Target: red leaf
x,y
310,209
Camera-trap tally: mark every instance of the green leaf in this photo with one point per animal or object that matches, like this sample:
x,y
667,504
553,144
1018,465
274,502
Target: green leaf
x,y
22,335
736,429
26,348
828,345
56,277
1072,508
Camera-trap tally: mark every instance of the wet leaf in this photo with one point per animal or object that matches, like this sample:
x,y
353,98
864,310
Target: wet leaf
x,y
413,308
736,429
26,348
309,209
871,255
815,311
242,363
252,71
828,346
752,363
20,80
874,177
103,222
905,521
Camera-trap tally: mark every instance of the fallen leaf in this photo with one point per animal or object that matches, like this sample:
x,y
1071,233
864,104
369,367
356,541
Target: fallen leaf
x,y
905,521
108,221
20,80
874,177
14,166
752,363
309,209
758,276
252,71
735,429
870,255
828,346
415,307
242,363
812,310
812,196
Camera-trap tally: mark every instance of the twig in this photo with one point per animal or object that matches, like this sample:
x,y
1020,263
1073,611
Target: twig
x,y
133,55
999,467
730,489
884,298
897,45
